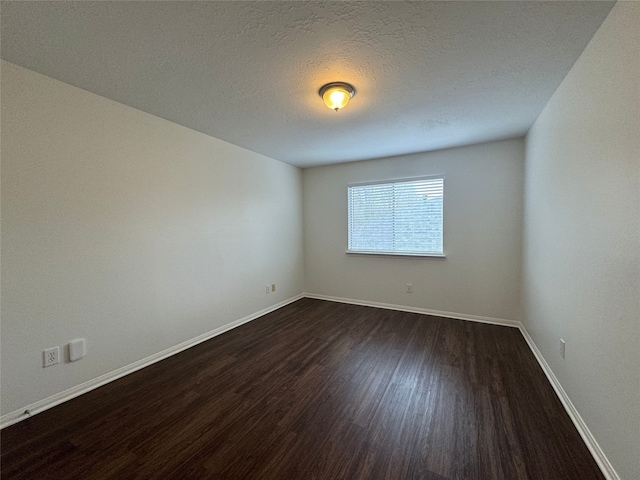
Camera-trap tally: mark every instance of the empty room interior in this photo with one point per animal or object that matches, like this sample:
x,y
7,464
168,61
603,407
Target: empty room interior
x,y
320,240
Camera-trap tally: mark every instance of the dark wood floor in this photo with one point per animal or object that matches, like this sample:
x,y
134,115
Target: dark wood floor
x,y
317,390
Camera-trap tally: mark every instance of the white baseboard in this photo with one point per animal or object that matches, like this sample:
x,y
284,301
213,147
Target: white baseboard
x,y
601,459
49,402
426,311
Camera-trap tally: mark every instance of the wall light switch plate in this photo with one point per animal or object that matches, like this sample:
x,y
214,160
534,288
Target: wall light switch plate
x,y
77,349
563,346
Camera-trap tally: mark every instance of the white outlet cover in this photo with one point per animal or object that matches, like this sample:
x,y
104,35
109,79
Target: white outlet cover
x,y
77,349
51,356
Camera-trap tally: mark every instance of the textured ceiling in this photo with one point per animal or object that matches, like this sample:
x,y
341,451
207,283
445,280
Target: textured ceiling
x,y
428,75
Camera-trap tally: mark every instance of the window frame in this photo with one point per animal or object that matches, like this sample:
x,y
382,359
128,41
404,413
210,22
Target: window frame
x,y
391,253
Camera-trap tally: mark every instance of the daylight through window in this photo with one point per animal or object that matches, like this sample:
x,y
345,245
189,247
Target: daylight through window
x,y
398,217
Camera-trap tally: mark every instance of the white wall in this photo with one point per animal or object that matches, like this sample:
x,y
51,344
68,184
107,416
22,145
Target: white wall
x,y
130,231
581,241
482,233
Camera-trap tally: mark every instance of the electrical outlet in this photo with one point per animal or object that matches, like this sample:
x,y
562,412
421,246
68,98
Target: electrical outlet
x,y
273,287
562,347
51,356
268,289
409,287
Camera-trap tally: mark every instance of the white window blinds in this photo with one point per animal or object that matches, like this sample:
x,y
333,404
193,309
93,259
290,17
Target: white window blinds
x,y
403,216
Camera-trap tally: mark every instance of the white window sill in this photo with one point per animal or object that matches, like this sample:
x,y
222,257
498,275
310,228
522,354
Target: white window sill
x,y
397,254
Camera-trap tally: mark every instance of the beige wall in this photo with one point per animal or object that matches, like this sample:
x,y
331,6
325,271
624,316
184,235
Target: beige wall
x,y
581,244
482,233
128,230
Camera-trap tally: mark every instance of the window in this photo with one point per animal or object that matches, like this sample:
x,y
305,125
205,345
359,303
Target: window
x,y
401,217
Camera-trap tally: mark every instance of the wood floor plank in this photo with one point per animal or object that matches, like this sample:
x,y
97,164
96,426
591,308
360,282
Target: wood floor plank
x,y
317,390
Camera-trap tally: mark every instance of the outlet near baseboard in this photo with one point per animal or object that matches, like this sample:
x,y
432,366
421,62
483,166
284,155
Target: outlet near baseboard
x,y
50,356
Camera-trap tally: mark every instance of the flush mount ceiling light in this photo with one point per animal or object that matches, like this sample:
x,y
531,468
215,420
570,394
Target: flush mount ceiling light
x,y
336,95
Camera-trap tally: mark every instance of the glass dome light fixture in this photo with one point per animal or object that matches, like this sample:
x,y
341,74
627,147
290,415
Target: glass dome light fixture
x,y
336,95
